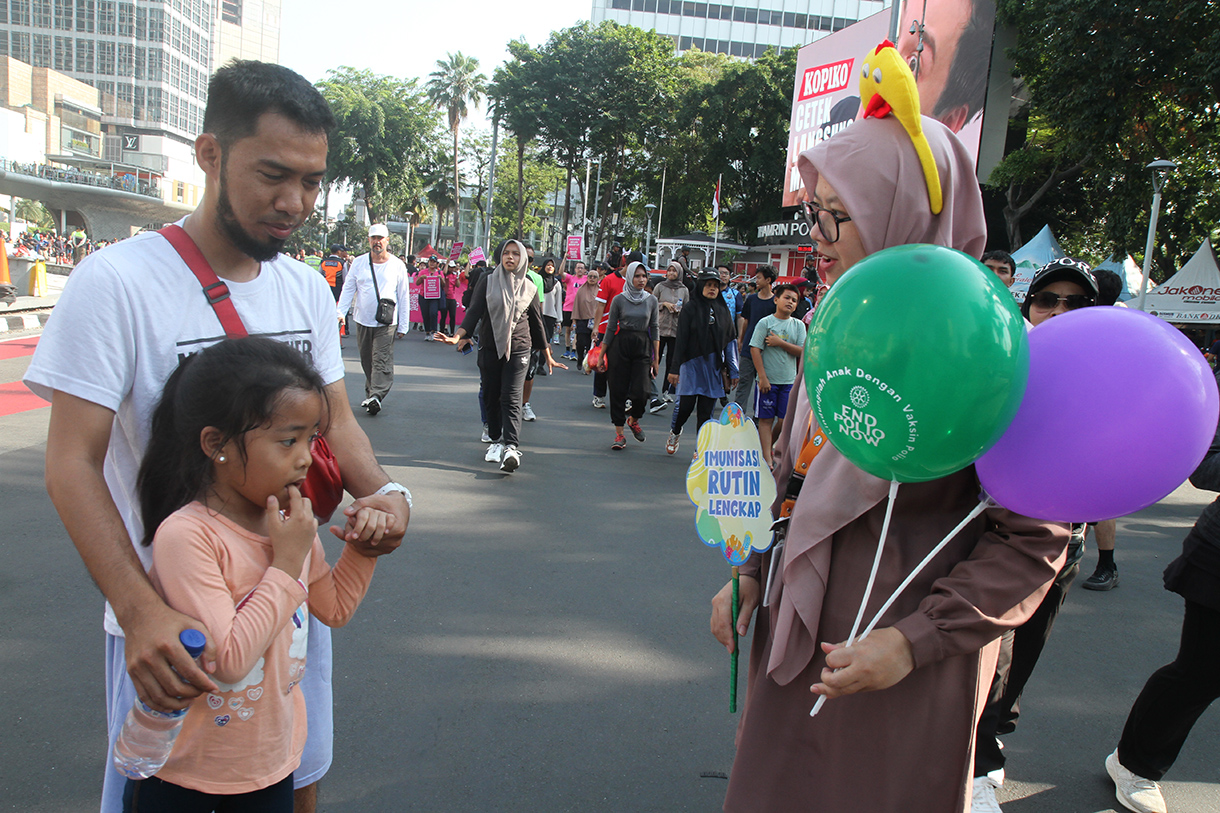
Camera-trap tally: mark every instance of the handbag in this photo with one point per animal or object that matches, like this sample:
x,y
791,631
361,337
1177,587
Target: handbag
x,y
385,307
323,485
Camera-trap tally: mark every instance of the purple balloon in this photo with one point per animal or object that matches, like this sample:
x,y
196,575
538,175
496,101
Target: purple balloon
x,y
1119,409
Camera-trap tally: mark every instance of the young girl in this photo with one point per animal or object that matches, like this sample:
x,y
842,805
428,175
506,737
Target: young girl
x,y
235,546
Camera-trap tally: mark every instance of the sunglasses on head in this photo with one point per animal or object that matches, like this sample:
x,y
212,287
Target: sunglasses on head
x,y
1048,300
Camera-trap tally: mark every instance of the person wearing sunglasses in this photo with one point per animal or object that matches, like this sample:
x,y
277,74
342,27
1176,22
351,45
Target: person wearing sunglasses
x,y
1059,286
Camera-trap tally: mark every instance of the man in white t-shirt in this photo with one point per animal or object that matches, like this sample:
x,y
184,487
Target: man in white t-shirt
x,y
263,150
361,294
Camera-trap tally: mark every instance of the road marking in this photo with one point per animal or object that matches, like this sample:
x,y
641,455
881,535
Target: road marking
x,y
16,397
16,348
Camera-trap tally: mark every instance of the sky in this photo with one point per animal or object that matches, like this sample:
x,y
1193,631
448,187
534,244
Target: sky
x,y
407,39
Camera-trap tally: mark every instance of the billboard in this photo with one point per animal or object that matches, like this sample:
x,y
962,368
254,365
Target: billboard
x,y
952,76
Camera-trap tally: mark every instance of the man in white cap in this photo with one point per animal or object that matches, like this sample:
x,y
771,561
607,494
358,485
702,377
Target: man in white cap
x,y
376,291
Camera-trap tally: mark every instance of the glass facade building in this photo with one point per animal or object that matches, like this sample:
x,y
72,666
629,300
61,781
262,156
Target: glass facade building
x,y
740,29
149,59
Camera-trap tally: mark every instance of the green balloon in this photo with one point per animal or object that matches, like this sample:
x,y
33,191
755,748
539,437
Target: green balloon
x,y
916,362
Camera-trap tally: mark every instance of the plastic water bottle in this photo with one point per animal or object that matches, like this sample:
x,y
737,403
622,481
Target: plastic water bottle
x,y
148,736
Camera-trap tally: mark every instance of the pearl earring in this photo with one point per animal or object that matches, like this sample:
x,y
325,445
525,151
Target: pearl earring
x,y
220,458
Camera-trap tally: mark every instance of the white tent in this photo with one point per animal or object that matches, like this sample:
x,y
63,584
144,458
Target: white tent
x,y
1030,257
1191,296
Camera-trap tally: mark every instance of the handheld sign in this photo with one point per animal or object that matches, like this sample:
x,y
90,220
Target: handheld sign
x,y
733,491
576,246
456,251
477,255
732,487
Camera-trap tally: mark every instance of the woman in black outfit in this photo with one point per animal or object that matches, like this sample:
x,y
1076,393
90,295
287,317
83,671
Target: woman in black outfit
x,y
506,301
631,352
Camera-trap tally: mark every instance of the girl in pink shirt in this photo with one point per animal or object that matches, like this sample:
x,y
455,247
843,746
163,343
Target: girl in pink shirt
x,y
235,546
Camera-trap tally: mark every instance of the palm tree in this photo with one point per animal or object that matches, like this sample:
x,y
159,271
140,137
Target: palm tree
x,y
457,82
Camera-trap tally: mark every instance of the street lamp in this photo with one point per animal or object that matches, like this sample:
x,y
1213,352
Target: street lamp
x,y
651,207
1159,170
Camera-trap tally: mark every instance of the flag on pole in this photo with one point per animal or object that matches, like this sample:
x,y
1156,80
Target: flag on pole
x,y
716,202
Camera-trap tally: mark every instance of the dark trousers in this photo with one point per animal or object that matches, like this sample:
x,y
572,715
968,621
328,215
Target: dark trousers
x,y
686,405
668,343
599,380
430,308
449,309
503,384
744,394
1174,697
549,323
583,341
154,795
629,365
376,359
1019,652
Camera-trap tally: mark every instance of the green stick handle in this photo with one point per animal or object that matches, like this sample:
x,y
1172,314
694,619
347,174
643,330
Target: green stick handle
x,y
733,657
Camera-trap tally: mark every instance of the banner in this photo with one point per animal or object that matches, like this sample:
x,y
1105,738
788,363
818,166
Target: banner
x,y
456,251
826,92
576,247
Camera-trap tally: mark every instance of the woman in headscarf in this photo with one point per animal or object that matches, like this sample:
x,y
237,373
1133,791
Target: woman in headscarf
x,y
705,355
670,294
631,352
898,731
584,308
506,300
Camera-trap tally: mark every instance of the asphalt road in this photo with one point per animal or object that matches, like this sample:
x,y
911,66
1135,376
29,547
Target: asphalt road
x,y
540,641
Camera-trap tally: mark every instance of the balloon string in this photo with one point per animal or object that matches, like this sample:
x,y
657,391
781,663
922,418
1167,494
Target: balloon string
x,y
983,505
872,578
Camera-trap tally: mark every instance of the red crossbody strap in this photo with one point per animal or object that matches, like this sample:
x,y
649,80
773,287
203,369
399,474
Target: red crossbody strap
x,y
214,289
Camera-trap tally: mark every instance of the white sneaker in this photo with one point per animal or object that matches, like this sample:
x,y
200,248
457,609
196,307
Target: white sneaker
x,y
982,799
494,452
598,402
486,437
1134,792
511,460
527,412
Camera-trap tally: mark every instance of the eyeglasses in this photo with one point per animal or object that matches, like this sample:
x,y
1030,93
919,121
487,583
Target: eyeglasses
x,y
1047,300
827,222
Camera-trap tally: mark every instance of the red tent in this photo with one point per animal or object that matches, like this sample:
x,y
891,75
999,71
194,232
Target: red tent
x,y
428,251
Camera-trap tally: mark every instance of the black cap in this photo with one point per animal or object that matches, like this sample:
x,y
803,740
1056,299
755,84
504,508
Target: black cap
x,y
708,276
336,248
1065,268
1062,269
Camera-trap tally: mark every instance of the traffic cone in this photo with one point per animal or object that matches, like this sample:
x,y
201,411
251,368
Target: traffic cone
x,y
4,277
38,279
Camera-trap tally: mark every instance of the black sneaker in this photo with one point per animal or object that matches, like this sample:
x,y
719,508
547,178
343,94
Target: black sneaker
x,y
373,405
1103,578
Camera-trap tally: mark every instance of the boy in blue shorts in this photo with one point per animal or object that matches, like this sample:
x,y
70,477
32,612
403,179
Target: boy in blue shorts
x,y
776,348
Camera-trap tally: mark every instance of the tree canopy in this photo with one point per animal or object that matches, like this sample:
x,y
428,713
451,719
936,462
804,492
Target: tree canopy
x,y
1114,85
384,126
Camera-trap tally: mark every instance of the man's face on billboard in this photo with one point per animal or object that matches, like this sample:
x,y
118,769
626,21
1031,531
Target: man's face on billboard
x,y
943,27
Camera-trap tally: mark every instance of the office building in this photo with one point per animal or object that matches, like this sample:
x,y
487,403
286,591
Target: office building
x,y
741,29
149,61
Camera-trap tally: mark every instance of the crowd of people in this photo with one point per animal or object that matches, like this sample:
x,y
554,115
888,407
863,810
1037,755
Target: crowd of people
x,y
181,466
50,245
124,181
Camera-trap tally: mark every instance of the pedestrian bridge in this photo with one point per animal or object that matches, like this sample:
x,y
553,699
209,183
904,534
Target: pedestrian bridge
x,y
108,213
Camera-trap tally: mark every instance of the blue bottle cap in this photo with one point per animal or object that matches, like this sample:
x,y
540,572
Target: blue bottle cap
x,y
194,641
